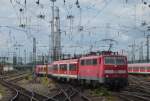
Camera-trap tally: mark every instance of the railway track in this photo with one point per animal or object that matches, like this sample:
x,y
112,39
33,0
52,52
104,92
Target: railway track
x,y
11,75
17,78
20,93
17,95
68,93
138,90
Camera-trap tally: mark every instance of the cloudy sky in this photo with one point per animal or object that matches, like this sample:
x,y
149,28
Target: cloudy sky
x,y
124,21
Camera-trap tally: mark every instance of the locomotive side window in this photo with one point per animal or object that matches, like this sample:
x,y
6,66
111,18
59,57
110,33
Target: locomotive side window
x,y
63,67
82,62
72,67
88,62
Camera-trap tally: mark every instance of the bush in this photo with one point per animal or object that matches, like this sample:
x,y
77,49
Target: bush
x,y
45,81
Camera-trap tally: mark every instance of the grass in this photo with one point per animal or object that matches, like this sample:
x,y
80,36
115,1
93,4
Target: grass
x,y
101,91
111,98
2,90
29,78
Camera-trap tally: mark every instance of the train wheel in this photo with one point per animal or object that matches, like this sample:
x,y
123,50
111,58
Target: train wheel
x,y
82,82
94,84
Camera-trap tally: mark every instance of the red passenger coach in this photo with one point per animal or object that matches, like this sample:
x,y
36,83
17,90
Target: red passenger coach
x,y
65,69
139,68
41,69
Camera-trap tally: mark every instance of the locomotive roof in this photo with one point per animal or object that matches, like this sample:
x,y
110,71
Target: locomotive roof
x,y
93,56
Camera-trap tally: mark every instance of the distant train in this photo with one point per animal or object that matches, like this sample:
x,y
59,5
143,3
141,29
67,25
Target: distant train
x,y
6,68
106,68
139,68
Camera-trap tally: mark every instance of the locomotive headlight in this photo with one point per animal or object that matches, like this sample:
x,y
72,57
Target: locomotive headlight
x,y
107,76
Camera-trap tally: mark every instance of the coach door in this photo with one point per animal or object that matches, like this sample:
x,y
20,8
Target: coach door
x,y
68,69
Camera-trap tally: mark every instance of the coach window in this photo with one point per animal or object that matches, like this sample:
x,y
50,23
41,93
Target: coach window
x,y
142,68
148,68
129,68
88,62
49,67
63,67
55,67
72,67
43,69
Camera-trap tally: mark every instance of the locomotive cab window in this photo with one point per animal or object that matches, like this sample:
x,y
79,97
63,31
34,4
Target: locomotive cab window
x,y
115,60
109,60
120,60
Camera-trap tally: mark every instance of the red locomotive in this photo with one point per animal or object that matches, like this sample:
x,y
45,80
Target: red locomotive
x,y
106,68
139,68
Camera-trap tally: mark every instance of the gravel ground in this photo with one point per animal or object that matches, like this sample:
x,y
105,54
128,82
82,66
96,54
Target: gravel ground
x,y
110,97
50,89
39,87
5,93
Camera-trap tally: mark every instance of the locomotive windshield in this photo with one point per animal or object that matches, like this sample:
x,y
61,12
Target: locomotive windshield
x,y
115,60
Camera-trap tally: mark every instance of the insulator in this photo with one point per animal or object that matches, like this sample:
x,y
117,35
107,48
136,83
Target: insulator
x,y
38,2
77,2
20,9
22,25
64,2
145,3
25,2
41,16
